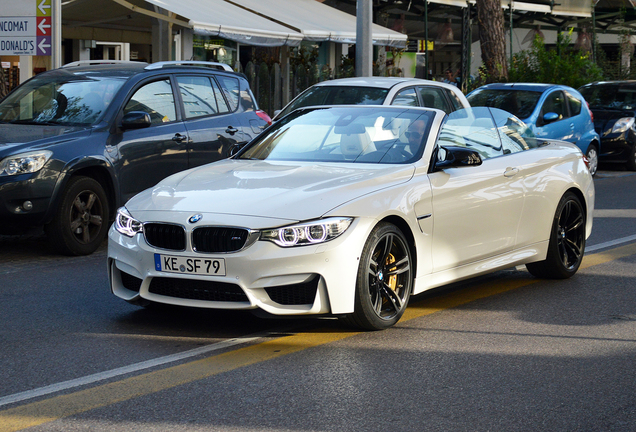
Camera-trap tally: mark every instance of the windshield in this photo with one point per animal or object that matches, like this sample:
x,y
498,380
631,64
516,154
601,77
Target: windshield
x,y
610,96
345,134
521,103
59,100
337,95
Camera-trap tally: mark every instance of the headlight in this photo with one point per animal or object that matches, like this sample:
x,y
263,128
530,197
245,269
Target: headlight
x,y
314,232
623,124
24,163
126,224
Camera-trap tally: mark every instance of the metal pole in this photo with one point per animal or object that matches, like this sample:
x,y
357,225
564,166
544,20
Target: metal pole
x,y
56,39
364,46
426,39
594,32
510,34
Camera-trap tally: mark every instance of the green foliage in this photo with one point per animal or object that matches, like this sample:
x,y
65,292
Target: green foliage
x,y
562,65
305,56
613,66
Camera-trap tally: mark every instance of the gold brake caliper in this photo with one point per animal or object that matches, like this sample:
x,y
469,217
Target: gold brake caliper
x,y
392,281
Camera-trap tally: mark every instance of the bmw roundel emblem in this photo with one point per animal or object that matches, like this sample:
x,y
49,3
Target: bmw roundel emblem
x,y
195,218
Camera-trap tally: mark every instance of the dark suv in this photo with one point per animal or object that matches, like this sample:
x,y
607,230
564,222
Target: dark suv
x,y
79,141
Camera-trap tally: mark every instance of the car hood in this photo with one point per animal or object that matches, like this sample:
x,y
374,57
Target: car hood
x,y
293,191
21,135
604,119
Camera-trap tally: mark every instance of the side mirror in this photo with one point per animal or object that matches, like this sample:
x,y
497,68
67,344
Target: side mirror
x,y
456,157
136,120
236,148
550,117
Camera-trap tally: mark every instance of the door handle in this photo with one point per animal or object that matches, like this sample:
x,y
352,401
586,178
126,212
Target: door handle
x,y
179,138
231,130
511,172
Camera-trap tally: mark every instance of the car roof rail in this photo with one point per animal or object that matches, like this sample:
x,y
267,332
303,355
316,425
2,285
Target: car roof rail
x,y
96,62
215,65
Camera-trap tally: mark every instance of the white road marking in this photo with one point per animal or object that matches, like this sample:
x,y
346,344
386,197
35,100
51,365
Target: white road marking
x,y
609,243
65,385
90,379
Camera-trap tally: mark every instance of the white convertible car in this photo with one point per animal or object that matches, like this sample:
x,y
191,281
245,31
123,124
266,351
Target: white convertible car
x,y
350,210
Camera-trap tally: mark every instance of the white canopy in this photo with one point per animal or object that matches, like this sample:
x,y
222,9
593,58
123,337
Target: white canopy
x,y
579,8
220,18
317,21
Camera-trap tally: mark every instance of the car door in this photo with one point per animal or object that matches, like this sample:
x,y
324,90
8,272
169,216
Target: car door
x,y
562,128
530,161
578,121
476,208
148,155
212,126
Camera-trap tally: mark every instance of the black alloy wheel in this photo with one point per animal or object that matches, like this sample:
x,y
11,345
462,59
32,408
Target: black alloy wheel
x,y
385,279
567,241
81,221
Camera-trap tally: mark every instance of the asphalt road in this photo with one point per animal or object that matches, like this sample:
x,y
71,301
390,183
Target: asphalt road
x,y
506,352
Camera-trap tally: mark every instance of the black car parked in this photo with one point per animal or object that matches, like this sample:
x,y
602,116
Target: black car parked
x,y
79,141
613,104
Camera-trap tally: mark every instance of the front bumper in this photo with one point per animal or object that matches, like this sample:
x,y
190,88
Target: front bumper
x,y
304,280
36,188
617,147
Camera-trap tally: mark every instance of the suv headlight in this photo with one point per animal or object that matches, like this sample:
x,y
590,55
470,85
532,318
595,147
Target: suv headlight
x,y
307,233
127,225
24,163
623,124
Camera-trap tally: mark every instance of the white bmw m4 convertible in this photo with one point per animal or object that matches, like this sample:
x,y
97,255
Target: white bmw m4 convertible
x,y
350,210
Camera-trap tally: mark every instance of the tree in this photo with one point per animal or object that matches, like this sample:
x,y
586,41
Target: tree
x,y
565,64
3,84
492,39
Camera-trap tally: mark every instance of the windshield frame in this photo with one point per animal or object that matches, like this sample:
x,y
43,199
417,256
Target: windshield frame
x,y
328,94
381,153
60,100
592,95
506,96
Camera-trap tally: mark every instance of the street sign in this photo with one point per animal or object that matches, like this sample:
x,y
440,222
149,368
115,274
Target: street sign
x,y
25,27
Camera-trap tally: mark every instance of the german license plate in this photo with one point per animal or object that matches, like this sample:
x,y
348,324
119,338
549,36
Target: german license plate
x,y
186,265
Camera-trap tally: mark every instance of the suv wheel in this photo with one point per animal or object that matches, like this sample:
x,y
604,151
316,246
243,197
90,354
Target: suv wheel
x,y
81,221
631,162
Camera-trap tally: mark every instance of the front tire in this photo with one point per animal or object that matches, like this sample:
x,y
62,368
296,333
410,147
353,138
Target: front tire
x,y
385,279
81,221
567,241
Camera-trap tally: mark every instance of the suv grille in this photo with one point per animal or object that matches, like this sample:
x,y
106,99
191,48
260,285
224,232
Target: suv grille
x,y
165,236
218,239
197,290
298,294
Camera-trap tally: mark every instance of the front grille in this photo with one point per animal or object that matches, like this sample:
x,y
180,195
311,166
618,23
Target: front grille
x,y
197,290
297,294
165,236
130,282
218,239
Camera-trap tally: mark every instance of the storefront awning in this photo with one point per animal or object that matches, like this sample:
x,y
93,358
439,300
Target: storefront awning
x,y
318,22
576,8
223,19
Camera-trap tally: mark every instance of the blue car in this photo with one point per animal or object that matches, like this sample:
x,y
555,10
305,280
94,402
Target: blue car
x,y
550,111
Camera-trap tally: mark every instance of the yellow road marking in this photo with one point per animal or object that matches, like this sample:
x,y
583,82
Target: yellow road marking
x,y
51,409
